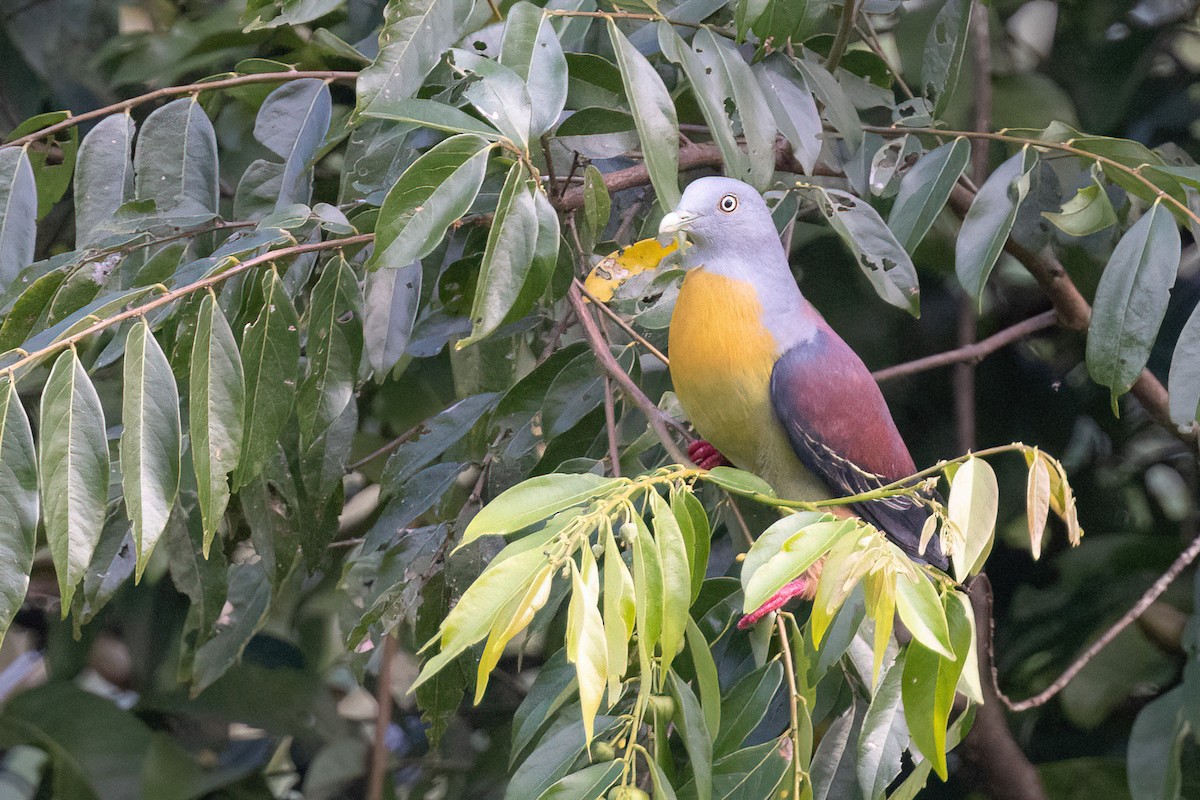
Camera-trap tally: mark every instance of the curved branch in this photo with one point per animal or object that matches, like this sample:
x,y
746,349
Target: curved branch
x,y
183,291
1145,601
175,91
971,353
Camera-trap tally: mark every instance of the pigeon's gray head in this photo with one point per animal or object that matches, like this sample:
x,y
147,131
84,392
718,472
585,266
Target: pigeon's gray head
x,y
721,211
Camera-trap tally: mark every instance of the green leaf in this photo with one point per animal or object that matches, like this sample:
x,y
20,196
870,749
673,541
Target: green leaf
x,y
658,779
268,14
415,33
197,573
292,123
1184,377
333,346
150,447
587,645
838,108
507,258
929,680
587,784
1131,300
884,736
779,22
739,482
176,159
986,227
270,357
436,435
833,771
18,503
216,408
654,114
1087,212
551,760
18,222
972,509
677,578
431,114
924,190
793,107
744,708
247,606
919,609
647,585
435,191
531,49
113,562
553,686
785,551
693,522
52,175
535,500
753,773
391,298
597,205
707,680
497,93
944,49
72,470
697,741
472,617
28,309
1156,747
881,257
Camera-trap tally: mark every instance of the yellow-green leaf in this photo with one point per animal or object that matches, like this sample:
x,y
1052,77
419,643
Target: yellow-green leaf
x,y
677,578
921,612
974,498
590,648
533,501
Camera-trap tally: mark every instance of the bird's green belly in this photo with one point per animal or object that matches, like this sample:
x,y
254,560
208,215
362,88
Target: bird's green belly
x,y
721,362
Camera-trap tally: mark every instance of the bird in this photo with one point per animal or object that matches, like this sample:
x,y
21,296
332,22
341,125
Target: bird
x,y
766,381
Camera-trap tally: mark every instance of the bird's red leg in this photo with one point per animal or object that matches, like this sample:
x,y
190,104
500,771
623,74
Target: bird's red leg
x,y
705,456
804,587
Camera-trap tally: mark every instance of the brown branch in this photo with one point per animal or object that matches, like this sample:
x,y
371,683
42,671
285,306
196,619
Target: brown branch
x,y
625,326
383,718
972,353
658,420
183,291
842,37
1151,595
174,91
794,700
610,424
992,756
690,157
411,433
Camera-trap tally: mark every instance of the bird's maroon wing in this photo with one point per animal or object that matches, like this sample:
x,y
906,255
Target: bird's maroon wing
x,y
841,429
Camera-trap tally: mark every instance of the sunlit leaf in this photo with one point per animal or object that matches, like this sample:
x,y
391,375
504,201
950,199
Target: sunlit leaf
x,y
1131,300
103,176
1088,211
654,114
150,448
647,585
880,256
72,470
1037,500
972,508
534,500
510,622
18,503
924,190
270,358
790,546
616,268
531,49
988,222
677,578
216,409
920,610
620,614
586,645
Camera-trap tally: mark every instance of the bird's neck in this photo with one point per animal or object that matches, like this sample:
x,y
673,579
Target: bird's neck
x,y
789,317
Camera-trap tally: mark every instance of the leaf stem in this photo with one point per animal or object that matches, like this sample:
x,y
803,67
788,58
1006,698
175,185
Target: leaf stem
x,y
789,669
842,37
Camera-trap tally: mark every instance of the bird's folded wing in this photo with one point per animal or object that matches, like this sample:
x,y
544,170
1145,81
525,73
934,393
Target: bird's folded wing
x,y
842,431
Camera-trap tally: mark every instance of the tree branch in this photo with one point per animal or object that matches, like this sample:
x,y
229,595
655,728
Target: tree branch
x,y
972,353
658,420
175,91
1151,595
383,717
183,291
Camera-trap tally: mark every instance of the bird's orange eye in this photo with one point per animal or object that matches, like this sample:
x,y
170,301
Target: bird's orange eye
x,y
728,204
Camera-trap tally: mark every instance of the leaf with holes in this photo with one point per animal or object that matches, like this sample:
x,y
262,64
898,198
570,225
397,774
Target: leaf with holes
x,y
924,190
944,48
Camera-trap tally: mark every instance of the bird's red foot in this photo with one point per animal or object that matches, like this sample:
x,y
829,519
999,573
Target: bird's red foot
x,y
705,456
796,588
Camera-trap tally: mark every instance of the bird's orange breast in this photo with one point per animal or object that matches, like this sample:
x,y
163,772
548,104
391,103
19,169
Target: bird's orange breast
x,y
721,361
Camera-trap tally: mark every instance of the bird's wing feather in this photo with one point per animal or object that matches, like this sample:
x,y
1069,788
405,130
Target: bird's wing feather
x,y
841,429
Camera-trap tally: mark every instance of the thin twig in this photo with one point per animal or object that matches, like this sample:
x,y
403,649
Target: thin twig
x,y
183,291
383,718
174,91
1152,594
556,12
658,420
789,670
623,325
610,423
842,37
871,37
971,353
411,433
